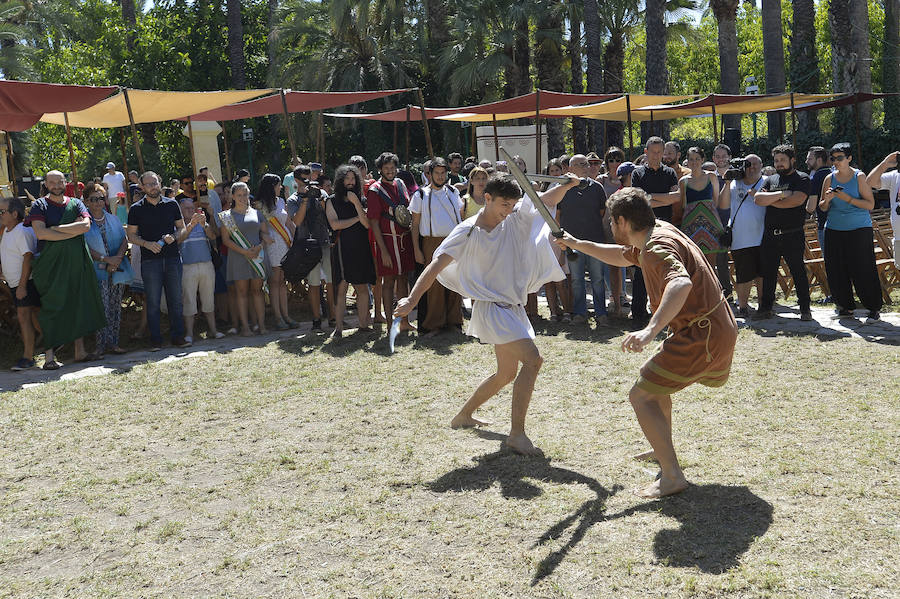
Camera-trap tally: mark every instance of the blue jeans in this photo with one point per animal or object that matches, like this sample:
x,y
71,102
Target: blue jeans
x,y
159,274
597,269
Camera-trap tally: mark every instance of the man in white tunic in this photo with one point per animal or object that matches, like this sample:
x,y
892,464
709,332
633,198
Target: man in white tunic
x,y
497,258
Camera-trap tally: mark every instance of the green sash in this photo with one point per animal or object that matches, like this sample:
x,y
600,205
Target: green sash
x,y
70,296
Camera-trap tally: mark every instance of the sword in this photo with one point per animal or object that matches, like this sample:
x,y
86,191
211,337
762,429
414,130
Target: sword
x,y
395,330
523,182
552,179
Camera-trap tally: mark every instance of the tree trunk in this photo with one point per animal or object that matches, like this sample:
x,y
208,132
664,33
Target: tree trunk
x,y
236,45
129,15
773,60
594,43
843,62
579,128
890,64
657,73
548,61
859,37
614,66
804,60
521,54
438,29
730,81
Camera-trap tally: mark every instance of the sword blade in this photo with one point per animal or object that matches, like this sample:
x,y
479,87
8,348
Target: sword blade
x,y
525,184
395,330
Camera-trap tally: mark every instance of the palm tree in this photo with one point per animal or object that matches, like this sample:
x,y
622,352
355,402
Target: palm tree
x,y
518,76
573,48
890,63
593,38
843,60
236,44
129,15
804,63
773,60
13,55
859,36
657,80
725,12
548,62
618,20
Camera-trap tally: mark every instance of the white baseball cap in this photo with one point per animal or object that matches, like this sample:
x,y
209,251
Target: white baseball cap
x,y
110,165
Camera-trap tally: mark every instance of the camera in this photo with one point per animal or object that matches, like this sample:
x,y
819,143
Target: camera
x,y
737,169
897,209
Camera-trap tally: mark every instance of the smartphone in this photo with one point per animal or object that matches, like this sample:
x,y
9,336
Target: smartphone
x,y
838,188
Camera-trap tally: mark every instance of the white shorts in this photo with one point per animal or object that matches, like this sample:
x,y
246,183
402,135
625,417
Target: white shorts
x,y
197,278
497,324
321,272
276,251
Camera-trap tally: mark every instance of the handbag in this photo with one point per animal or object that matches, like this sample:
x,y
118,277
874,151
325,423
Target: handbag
x,y
300,259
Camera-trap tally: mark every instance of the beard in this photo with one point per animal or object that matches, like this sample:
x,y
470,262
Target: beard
x,y
670,163
783,172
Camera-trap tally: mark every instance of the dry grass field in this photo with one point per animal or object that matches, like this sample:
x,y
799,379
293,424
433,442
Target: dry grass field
x,y
308,468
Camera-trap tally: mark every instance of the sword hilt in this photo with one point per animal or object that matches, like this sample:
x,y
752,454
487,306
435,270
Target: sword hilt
x,y
570,253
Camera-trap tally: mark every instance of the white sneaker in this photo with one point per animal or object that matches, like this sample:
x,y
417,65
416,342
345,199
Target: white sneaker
x,y
188,339
219,334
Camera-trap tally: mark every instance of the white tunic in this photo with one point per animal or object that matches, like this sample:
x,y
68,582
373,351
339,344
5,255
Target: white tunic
x,y
498,269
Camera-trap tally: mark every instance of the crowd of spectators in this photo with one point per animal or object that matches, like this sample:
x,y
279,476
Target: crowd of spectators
x,y
197,246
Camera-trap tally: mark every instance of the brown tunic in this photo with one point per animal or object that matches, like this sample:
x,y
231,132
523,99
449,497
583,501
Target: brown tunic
x,y
702,336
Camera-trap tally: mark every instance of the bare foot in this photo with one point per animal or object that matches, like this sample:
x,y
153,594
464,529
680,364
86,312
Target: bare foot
x,y
523,445
337,334
645,456
463,421
662,486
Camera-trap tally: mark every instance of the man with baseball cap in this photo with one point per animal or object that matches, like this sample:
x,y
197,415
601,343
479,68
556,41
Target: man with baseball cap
x,y
114,180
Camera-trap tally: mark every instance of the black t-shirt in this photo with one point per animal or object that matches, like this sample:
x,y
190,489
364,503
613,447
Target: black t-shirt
x,y
582,212
660,180
815,188
786,218
154,222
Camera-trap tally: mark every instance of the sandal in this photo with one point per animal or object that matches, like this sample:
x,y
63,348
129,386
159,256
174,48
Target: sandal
x,y
52,365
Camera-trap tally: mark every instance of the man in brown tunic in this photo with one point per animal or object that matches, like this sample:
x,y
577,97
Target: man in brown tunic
x,y
685,295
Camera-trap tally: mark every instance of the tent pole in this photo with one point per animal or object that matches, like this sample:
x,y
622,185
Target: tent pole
x,y
715,127
137,145
71,151
122,147
394,146
407,136
193,156
287,125
474,140
227,159
793,123
496,141
537,122
856,118
320,137
630,134
12,165
425,123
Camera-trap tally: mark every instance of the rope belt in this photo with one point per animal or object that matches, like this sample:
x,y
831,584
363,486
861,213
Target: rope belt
x,y
702,322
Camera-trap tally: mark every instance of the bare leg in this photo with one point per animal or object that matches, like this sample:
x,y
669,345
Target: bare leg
x,y
507,366
651,413
362,305
315,304
552,298
233,307
259,304
276,282
527,353
211,323
189,326
24,317
80,354
615,281
329,299
403,291
340,309
376,297
650,455
241,289
387,296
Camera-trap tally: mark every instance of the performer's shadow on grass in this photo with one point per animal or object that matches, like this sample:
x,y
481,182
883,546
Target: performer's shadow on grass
x,y
717,522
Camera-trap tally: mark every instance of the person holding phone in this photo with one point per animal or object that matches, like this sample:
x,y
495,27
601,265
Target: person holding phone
x,y
849,251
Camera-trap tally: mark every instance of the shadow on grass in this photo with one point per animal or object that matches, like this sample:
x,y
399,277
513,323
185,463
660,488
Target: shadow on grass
x,y
717,522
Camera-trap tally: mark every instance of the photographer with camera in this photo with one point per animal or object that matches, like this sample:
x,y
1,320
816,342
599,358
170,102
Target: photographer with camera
x,y
784,196
745,225
879,178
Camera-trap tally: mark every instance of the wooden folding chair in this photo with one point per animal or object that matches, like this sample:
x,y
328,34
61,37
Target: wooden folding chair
x,y
814,260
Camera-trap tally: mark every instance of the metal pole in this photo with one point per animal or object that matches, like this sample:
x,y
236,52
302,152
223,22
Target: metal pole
x,y
715,128
474,140
496,141
407,137
122,147
319,138
287,125
394,146
12,165
137,145
537,122
227,159
193,157
793,123
425,123
322,134
71,150
859,159
630,134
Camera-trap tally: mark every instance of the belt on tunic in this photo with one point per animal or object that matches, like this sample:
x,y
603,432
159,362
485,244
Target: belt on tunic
x,y
778,232
506,306
703,322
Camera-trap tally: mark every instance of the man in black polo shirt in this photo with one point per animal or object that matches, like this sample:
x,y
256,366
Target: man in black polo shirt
x,y
661,182
581,214
155,225
784,196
